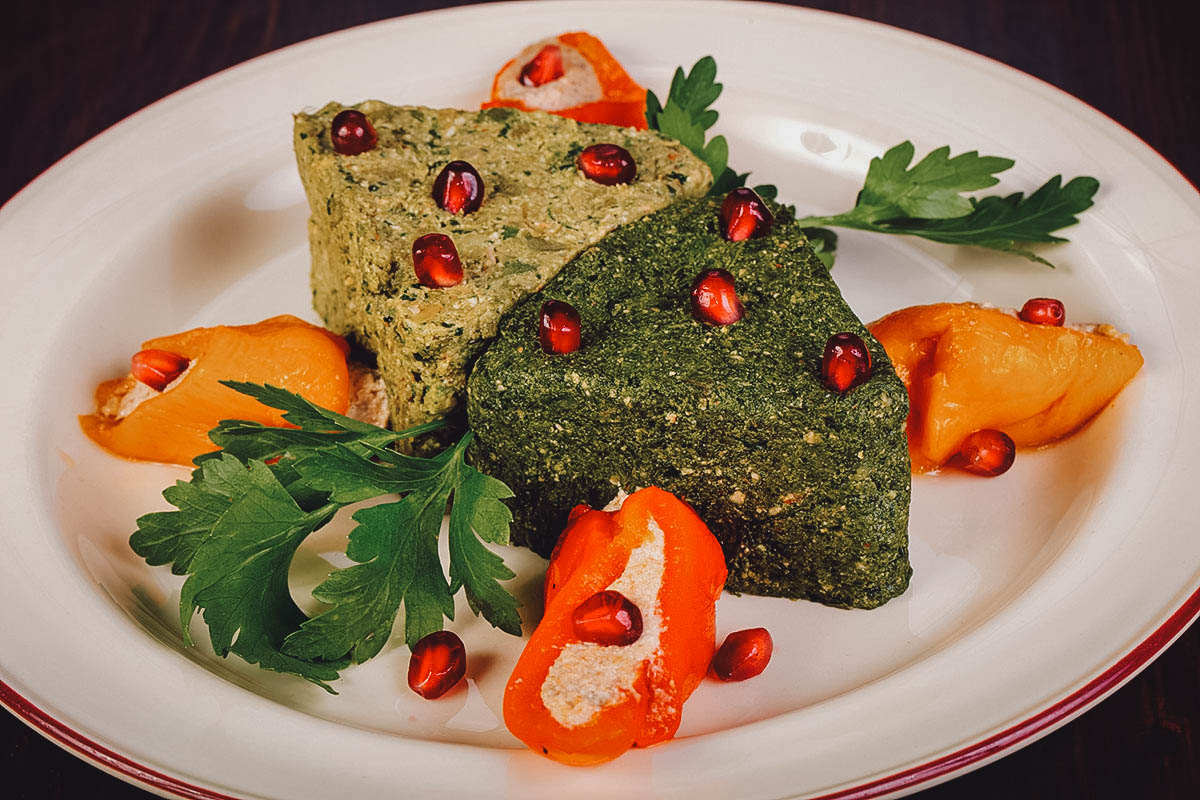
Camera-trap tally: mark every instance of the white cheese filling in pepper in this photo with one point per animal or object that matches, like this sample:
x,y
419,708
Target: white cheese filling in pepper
x,y
588,677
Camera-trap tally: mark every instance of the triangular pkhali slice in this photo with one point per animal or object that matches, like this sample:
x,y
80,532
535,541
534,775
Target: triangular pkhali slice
x,y
806,489
538,211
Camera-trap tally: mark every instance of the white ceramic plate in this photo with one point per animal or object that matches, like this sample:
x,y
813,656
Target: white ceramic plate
x,y
1033,595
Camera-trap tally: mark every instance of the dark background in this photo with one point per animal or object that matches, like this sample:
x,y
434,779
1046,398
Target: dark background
x,y
68,70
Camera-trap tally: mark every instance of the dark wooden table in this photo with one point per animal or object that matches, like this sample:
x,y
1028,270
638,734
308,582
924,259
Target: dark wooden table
x,y
68,70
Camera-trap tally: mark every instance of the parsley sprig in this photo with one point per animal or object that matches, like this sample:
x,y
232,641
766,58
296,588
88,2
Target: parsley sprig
x,y
927,199
248,507
686,117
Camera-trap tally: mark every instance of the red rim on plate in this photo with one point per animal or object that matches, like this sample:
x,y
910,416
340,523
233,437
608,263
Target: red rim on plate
x,y
1042,722
942,767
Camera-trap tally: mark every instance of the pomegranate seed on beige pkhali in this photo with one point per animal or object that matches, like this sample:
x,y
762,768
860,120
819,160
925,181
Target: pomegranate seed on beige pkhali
x,y
436,261
458,188
352,133
607,164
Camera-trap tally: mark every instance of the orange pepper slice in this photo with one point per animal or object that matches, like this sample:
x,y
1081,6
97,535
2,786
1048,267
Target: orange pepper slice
x,y
592,554
623,101
968,368
172,426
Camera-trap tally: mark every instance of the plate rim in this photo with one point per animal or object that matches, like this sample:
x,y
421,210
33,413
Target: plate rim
x,y
929,773
1040,722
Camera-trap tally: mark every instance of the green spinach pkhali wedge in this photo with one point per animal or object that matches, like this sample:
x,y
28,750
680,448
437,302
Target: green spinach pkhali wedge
x,y
807,490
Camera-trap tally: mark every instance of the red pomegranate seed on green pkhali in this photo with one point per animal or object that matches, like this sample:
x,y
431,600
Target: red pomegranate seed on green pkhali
x,y
744,215
559,328
846,362
715,299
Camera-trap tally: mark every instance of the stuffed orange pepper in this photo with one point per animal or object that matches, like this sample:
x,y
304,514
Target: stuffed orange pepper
x,y
164,409
572,75
628,631
970,369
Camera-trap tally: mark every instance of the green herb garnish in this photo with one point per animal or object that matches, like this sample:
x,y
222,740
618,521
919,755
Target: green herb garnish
x,y
686,117
248,507
926,200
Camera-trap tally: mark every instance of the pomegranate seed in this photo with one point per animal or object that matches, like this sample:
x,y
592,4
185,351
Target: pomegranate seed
x,y
436,262
743,655
1044,311
558,327
607,164
608,618
157,368
744,215
714,299
352,133
988,452
437,664
546,66
846,362
458,187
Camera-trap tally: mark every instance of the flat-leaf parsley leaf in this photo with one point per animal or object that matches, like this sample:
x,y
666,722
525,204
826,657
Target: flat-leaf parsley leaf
x,y
249,505
395,546
926,199
687,116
